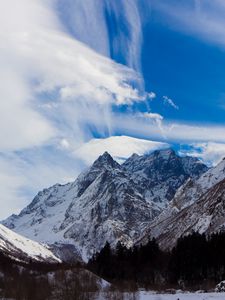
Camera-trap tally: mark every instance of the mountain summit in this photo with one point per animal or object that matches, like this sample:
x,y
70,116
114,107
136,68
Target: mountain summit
x,y
107,202
105,160
162,172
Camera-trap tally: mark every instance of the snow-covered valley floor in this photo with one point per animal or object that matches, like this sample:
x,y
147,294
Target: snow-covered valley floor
x,y
152,296
188,296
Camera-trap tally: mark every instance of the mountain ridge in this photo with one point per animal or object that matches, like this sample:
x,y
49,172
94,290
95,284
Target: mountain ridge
x,y
189,209
107,202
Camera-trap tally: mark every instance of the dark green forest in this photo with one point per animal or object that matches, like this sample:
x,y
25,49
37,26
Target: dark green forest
x,y
196,262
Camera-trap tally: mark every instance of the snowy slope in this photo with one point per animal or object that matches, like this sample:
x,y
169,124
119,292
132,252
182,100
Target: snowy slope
x,y
197,206
192,190
162,172
207,215
20,248
108,202
182,296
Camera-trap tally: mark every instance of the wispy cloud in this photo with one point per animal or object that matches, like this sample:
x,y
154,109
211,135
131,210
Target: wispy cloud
x,y
151,95
157,119
170,102
174,131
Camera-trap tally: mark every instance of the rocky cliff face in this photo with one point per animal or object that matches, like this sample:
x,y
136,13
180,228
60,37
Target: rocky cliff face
x,y
199,205
108,202
161,173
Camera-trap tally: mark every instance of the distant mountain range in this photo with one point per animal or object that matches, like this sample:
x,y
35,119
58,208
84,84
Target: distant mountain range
x,y
113,202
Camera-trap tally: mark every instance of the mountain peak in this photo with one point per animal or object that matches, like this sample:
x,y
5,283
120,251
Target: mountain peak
x,y
105,160
134,155
106,155
131,159
165,153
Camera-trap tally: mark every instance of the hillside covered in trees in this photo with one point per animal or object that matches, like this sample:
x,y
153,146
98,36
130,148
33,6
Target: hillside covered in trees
x,y
41,281
196,262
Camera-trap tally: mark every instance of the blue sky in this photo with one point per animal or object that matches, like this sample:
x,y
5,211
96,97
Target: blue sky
x,y
82,77
186,68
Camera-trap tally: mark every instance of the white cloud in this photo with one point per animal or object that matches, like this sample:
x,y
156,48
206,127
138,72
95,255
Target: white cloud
x,y
64,144
158,119
170,102
173,131
21,126
154,116
120,147
151,95
211,153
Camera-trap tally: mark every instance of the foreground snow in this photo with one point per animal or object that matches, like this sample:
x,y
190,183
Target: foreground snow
x,y
18,247
188,296
154,296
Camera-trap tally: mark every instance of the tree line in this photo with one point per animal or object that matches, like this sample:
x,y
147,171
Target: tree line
x,y
197,262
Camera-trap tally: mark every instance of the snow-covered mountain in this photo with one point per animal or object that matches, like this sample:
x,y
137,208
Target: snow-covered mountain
x,y
108,202
199,205
161,173
193,189
20,248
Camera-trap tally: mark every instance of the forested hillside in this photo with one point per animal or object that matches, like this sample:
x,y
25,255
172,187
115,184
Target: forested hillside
x,y
196,262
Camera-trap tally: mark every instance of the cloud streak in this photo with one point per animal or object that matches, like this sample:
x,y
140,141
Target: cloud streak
x,y
170,102
173,131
